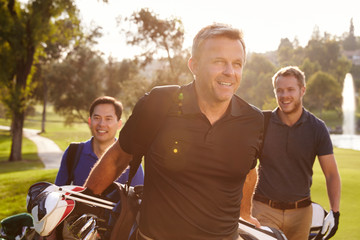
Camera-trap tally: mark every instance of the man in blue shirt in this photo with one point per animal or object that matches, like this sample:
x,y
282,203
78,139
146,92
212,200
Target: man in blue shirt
x,y
104,121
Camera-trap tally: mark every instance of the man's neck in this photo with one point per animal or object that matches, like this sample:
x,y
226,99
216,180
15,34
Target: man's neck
x,y
290,118
99,148
213,111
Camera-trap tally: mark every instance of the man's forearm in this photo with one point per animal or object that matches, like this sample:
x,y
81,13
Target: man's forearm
x,y
333,184
248,191
108,169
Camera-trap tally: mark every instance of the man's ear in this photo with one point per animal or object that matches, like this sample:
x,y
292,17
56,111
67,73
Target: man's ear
x,y
89,121
192,65
119,124
303,91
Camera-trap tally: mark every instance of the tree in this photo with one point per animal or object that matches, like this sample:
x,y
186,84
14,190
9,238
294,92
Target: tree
x,y
285,52
349,42
66,32
75,83
323,93
256,86
157,37
24,29
309,67
117,73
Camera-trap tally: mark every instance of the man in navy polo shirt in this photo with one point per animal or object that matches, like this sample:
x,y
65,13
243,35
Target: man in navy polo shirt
x,y
293,139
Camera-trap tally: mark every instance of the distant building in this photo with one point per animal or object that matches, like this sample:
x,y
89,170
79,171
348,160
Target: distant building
x,y
353,56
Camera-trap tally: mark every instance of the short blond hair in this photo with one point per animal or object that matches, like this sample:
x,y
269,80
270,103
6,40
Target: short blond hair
x,y
290,71
213,31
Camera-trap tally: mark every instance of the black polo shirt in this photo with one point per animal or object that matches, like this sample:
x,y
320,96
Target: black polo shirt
x,y
285,172
195,171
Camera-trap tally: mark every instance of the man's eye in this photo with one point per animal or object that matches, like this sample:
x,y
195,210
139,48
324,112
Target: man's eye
x,y
238,65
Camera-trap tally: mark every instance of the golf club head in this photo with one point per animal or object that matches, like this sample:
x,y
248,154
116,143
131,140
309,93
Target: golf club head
x,y
92,235
83,225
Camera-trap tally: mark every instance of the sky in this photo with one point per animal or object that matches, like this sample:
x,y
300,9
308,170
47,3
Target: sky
x,y
264,22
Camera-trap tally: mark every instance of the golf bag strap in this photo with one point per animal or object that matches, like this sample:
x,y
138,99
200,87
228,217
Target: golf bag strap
x,y
72,159
153,114
127,217
277,233
267,116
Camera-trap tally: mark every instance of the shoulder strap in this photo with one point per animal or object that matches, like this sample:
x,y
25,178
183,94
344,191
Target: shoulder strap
x,y
267,116
154,111
72,159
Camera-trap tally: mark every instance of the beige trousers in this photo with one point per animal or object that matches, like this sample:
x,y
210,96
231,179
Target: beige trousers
x,y
294,223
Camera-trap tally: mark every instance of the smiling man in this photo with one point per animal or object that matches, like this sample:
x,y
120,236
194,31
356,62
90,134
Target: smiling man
x,y
293,139
104,121
206,146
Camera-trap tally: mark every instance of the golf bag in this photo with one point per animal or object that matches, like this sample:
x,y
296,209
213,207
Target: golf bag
x,y
249,232
19,227
89,217
318,216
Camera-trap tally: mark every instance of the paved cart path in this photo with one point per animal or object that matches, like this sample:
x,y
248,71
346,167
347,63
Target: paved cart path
x,y
49,153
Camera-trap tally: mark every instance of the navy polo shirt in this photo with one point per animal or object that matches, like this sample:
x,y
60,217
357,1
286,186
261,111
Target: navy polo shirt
x,y
195,171
285,172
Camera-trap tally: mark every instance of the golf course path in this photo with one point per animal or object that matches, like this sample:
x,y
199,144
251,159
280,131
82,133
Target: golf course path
x,y
49,153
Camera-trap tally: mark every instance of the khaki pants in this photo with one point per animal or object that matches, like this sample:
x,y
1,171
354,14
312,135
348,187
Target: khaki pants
x,y
294,223
141,236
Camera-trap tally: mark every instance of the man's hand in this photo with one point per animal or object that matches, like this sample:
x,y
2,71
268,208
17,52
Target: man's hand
x,y
331,223
252,220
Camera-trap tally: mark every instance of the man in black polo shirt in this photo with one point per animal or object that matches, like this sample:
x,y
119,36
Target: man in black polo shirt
x,y
294,138
196,165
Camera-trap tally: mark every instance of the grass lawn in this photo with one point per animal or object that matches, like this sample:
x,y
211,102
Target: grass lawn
x,y
17,177
349,167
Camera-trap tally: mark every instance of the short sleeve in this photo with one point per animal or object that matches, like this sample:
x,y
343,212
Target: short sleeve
x,y
325,146
129,131
62,174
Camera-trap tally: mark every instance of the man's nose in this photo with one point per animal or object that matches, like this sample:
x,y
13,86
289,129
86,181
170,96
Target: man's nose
x,y
229,69
101,121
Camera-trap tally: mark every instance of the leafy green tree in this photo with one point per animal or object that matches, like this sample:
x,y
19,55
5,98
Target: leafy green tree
x,y
118,72
323,92
24,28
350,42
65,34
75,83
285,52
158,37
309,67
256,86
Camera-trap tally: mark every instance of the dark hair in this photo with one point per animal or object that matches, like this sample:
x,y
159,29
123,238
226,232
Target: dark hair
x,y
107,100
213,31
290,71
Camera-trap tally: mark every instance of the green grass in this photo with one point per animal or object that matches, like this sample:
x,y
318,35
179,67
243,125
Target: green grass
x,y
29,153
17,177
55,129
14,187
349,167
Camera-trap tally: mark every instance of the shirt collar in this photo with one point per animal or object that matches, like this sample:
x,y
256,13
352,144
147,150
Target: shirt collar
x,y
88,147
304,116
190,105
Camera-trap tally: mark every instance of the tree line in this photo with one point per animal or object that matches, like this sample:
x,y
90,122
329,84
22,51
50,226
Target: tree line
x,y
47,57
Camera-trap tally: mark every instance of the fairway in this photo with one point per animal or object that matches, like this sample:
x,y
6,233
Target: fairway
x,y
349,167
14,186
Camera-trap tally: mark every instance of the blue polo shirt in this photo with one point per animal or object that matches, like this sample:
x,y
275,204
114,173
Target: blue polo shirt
x,y
285,171
86,162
